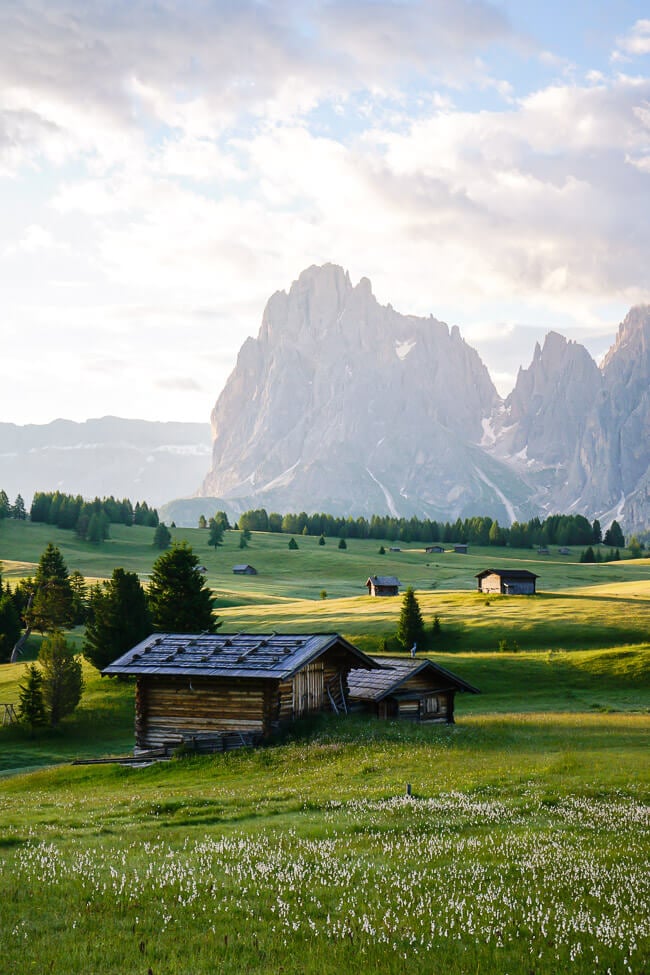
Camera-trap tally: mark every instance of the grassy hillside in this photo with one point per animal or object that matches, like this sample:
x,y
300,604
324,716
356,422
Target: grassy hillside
x,y
522,849
578,606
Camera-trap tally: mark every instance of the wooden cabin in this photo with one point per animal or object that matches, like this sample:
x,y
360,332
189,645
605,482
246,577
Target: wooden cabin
x,y
434,548
510,582
216,691
461,549
408,688
383,586
244,570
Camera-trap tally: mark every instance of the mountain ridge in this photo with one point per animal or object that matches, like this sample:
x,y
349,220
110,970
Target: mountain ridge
x,y
344,405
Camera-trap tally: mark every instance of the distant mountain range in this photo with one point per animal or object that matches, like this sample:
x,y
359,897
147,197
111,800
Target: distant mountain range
x,y
346,406
136,459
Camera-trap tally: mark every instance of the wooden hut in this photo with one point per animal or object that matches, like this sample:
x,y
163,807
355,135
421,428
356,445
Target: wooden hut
x,y
244,570
510,582
214,691
407,687
383,586
434,548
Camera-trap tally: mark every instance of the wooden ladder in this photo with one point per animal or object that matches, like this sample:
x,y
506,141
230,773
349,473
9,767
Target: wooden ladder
x,y
336,694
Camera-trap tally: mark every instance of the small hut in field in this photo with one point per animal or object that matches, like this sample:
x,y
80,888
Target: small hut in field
x,y
407,688
217,691
383,586
509,582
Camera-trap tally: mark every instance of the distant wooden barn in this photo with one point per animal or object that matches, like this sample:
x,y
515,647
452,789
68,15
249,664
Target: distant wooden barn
x,y
383,586
407,687
461,549
434,548
244,570
216,691
511,582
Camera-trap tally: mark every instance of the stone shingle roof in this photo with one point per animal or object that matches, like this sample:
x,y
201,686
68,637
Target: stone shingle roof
x,y
270,655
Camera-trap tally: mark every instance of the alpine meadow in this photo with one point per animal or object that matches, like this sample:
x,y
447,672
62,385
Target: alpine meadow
x,y
513,840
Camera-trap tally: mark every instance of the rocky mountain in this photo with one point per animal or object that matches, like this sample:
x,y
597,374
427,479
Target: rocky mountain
x,y
137,459
346,406
581,434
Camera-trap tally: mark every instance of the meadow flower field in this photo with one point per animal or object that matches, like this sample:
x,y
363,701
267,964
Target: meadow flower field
x,y
243,864
523,848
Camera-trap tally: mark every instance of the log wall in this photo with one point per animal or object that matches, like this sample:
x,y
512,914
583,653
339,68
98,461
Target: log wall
x,y
172,709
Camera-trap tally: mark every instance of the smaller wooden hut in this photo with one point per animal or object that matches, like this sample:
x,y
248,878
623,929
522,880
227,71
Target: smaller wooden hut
x,y
509,582
383,586
244,569
408,688
215,691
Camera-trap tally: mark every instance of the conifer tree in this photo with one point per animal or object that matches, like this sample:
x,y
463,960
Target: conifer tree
x,y
31,706
179,599
119,618
162,536
62,677
53,599
410,629
215,537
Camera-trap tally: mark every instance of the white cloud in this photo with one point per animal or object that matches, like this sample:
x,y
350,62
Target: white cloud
x,y
156,160
636,42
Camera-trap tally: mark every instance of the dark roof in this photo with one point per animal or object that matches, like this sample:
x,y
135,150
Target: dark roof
x,y
384,580
265,655
507,573
395,671
242,567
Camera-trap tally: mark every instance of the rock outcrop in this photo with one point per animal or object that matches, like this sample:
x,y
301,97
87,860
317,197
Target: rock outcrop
x,y
346,406
343,405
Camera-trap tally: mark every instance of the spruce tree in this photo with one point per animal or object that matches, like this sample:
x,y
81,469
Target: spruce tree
x,y
410,629
53,600
215,537
162,536
31,706
62,677
179,599
119,618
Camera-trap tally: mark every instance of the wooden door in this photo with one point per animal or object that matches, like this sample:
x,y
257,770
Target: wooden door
x,y
308,689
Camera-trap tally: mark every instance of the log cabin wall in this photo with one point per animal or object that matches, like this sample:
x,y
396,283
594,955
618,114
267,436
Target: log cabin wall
x,y
168,709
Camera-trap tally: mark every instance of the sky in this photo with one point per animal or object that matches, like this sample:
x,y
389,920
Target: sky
x,y
167,165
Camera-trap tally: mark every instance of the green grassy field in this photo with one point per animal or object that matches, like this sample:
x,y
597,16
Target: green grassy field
x,y
522,849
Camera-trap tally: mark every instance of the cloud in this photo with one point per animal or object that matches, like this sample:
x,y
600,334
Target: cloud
x,y
78,78
635,43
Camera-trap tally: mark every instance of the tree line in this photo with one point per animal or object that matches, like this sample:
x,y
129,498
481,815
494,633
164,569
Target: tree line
x,y
89,519
478,530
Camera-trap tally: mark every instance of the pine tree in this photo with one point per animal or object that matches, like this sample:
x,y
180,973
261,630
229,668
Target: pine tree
x,y
321,540
119,618
614,536
18,509
162,536
293,544
342,543
410,629
62,677
179,599
215,537
31,706
53,600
